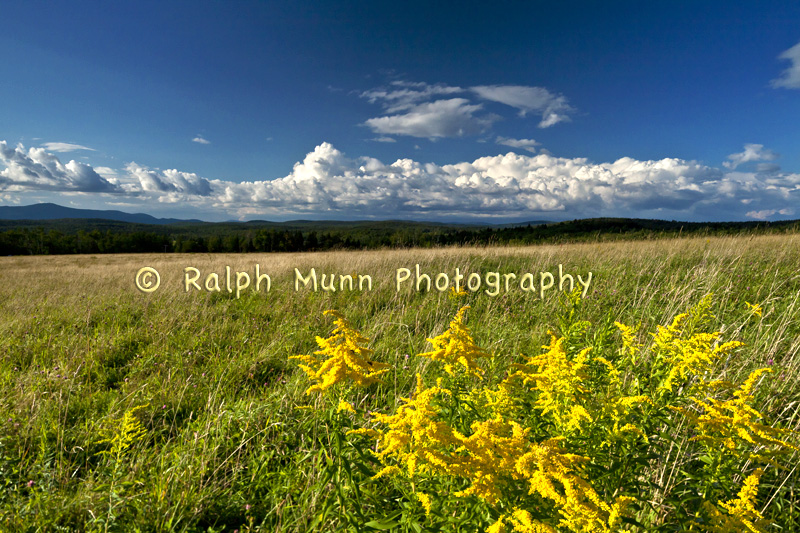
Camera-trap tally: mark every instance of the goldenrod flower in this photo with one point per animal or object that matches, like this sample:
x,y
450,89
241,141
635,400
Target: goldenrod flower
x,y
121,438
413,436
726,424
345,406
741,512
487,458
694,355
617,409
522,522
755,309
455,346
456,294
551,473
499,401
347,358
425,500
558,383
629,344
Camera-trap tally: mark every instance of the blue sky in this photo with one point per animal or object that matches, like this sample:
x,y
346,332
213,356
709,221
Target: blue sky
x,y
479,111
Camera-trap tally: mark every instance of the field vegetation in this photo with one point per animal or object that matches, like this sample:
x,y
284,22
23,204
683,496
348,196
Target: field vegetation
x,y
189,411
93,236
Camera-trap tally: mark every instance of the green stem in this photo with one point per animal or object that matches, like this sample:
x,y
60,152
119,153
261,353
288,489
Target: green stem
x,y
709,482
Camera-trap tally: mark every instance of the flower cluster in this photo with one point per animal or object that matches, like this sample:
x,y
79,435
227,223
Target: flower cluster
x,y
128,431
566,441
414,437
455,346
559,383
732,423
345,358
740,515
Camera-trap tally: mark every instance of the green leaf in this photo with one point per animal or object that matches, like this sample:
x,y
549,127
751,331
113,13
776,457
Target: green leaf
x,y
382,524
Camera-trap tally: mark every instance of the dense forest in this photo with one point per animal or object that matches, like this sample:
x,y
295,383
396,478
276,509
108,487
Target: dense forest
x,y
94,236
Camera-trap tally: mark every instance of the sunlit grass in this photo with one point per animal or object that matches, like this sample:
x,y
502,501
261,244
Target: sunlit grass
x,y
231,441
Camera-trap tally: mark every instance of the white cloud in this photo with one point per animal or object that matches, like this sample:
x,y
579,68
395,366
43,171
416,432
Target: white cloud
x,y
170,185
384,140
106,172
766,213
752,152
554,109
65,147
40,170
419,109
525,144
404,95
790,78
200,140
454,117
327,184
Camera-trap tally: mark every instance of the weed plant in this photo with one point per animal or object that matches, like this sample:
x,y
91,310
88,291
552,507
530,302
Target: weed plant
x,y
176,411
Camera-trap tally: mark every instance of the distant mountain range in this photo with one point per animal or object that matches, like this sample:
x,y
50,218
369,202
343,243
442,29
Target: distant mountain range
x,y
55,211
51,211
53,229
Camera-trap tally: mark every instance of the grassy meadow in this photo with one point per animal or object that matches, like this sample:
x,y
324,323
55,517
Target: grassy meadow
x,y
172,411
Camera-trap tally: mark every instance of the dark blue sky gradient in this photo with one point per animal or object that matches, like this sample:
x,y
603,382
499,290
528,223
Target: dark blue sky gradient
x,y
265,83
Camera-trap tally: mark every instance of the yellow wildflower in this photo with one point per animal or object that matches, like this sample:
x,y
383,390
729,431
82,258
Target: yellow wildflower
x,y
455,346
755,309
741,513
456,294
490,456
728,423
425,500
558,383
499,401
413,437
129,431
390,470
347,358
498,527
613,372
629,344
345,406
549,471
523,522
618,408
695,355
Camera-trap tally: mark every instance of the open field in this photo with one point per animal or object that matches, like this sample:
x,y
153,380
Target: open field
x,y
221,436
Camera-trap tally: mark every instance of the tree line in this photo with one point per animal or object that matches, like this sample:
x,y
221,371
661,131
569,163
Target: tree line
x,y
50,239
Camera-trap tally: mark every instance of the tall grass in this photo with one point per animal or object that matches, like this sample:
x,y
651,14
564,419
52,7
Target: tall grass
x,y
230,439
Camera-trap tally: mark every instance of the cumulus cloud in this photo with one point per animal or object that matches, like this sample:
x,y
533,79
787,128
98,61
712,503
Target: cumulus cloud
x,y
752,152
526,99
420,109
65,147
454,117
200,140
525,144
37,169
328,184
790,78
171,185
106,172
